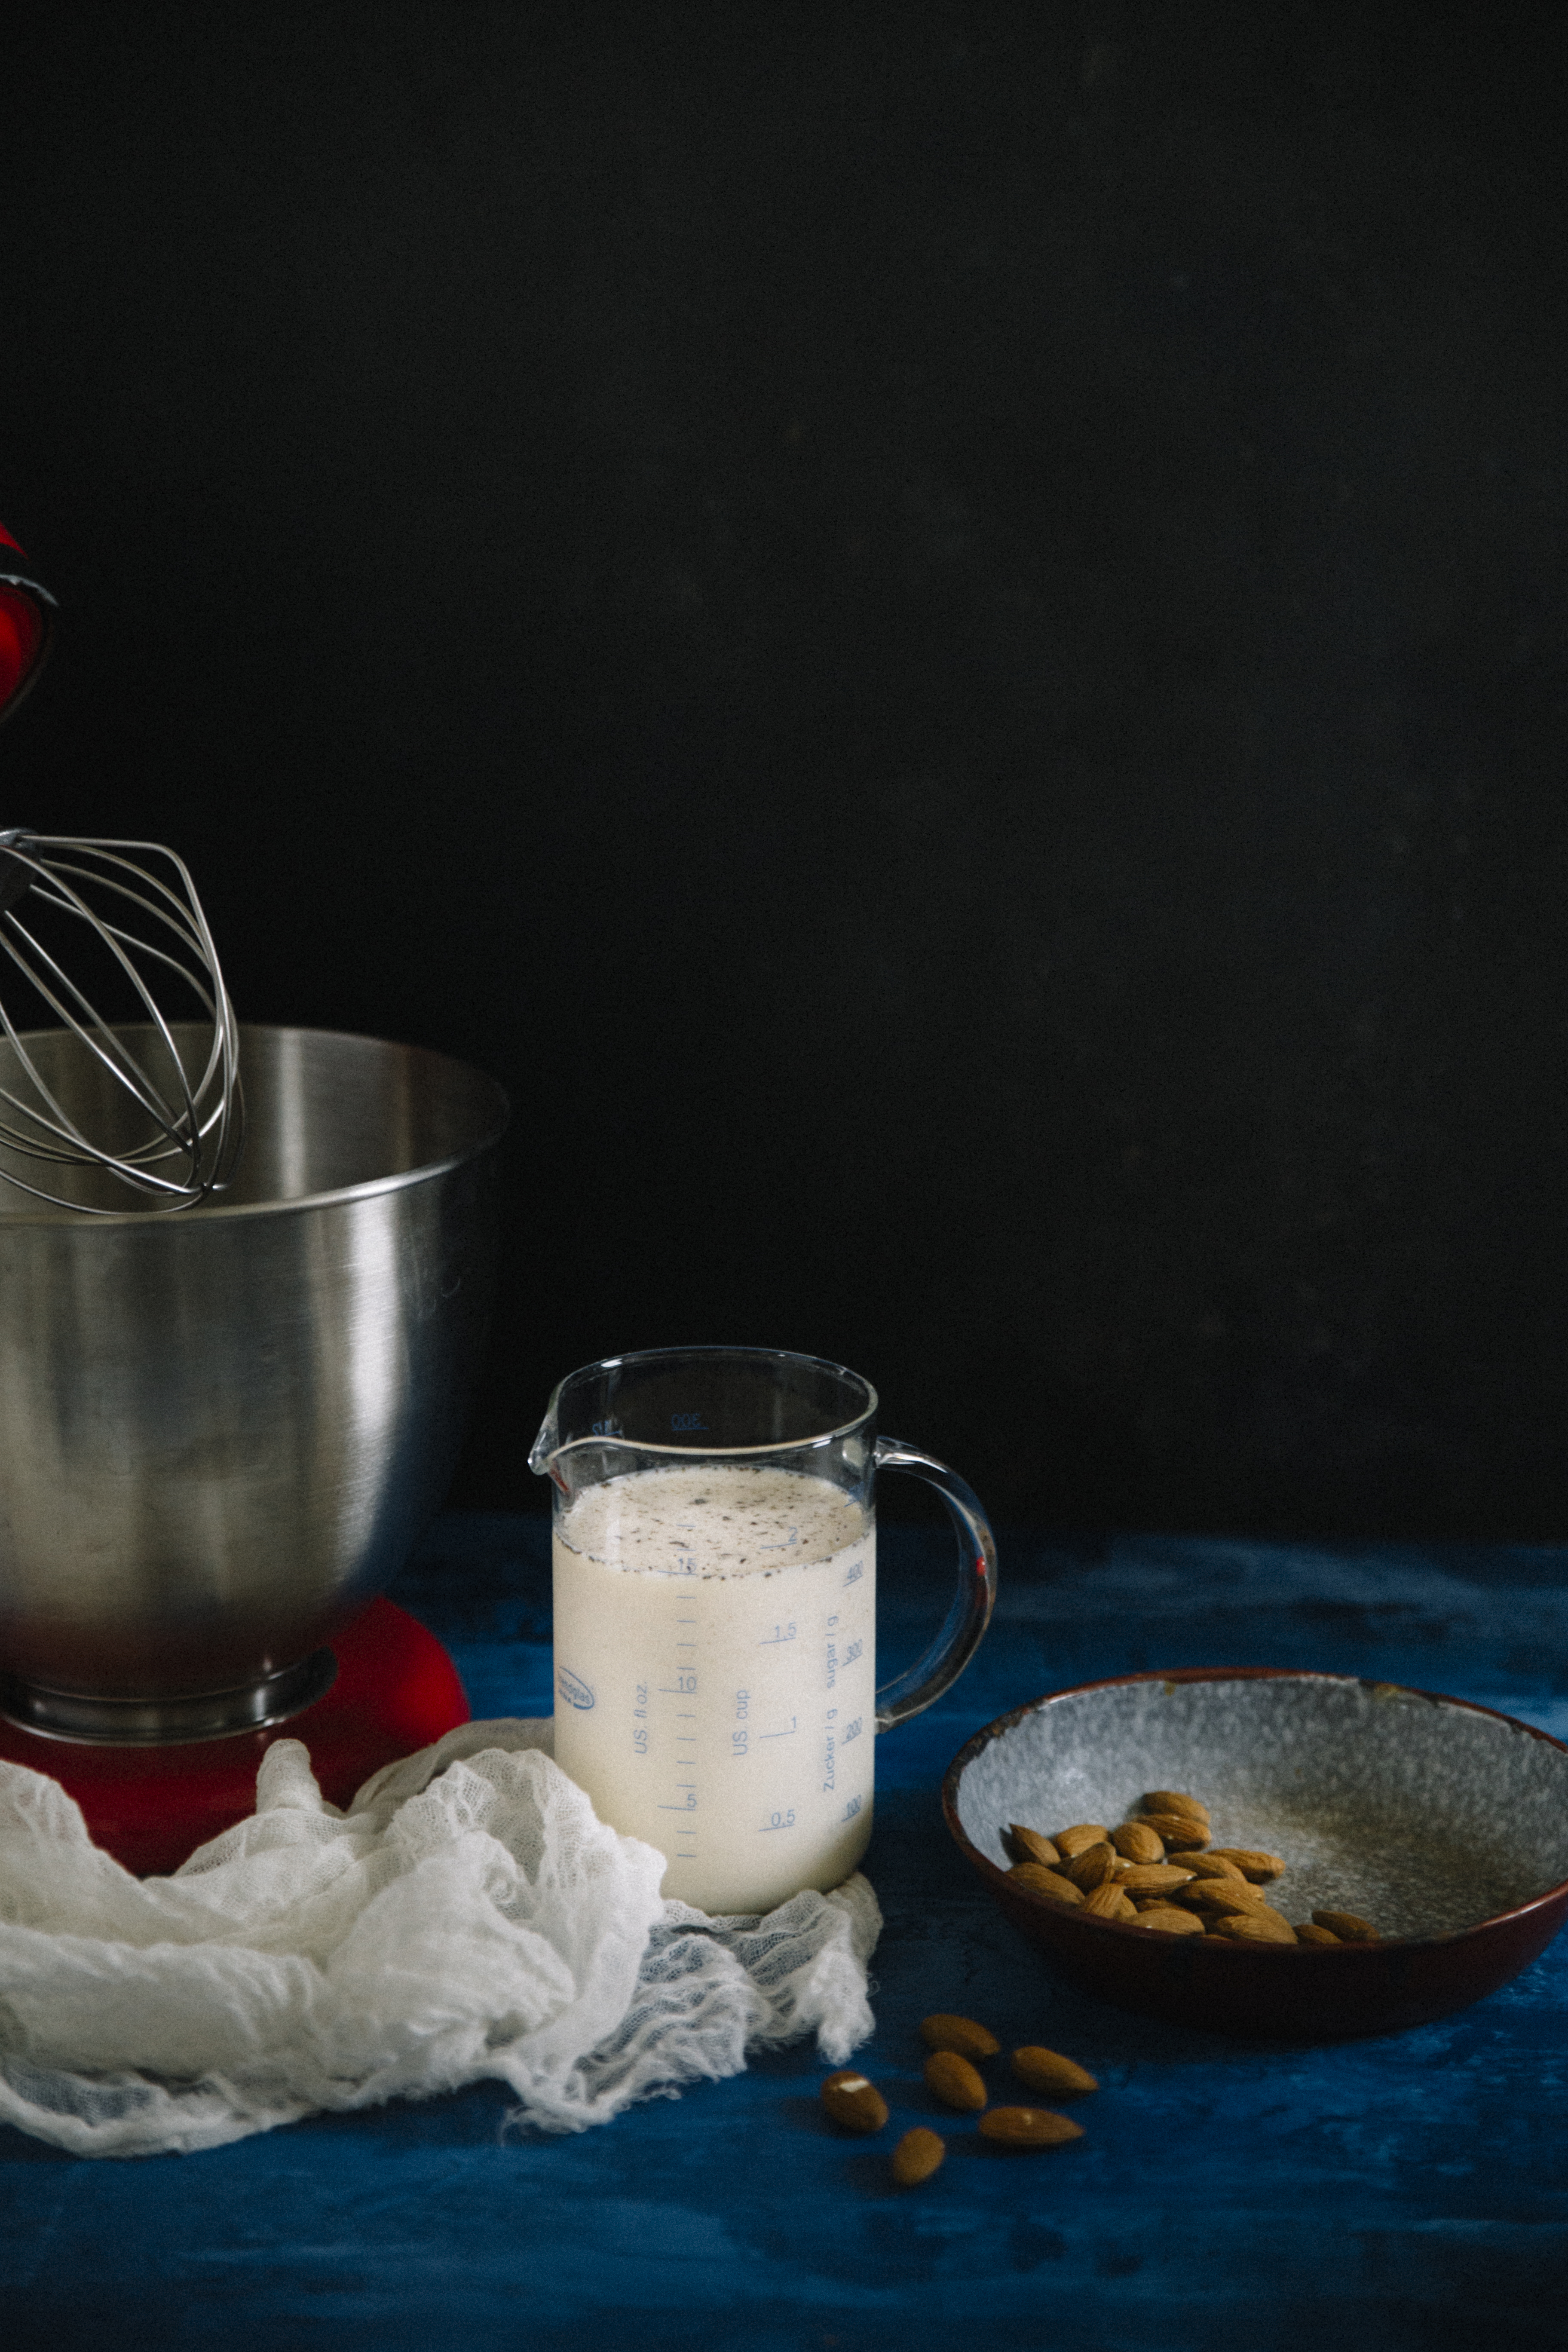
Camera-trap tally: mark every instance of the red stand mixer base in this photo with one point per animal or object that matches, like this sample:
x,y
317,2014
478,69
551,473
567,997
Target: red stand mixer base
x,y
396,1690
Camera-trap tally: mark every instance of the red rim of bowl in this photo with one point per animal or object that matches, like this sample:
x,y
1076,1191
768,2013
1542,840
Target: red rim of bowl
x,y
1016,1892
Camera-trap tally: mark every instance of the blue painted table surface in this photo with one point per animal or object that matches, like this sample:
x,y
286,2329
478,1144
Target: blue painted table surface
x,y
1411,2192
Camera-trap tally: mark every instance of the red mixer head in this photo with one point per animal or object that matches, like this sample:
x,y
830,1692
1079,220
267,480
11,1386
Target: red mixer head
x,y
26,618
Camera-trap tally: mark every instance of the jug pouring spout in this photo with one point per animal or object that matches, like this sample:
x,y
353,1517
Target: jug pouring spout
x,y
572,1458
546,1445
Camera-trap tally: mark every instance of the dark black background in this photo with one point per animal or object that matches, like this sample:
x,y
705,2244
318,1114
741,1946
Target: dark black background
x,y
938,631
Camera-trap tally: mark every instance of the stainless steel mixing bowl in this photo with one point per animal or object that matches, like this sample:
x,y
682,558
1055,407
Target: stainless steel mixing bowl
x,y
220,1431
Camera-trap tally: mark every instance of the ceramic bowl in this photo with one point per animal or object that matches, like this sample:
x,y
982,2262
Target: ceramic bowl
x,y
1443,1823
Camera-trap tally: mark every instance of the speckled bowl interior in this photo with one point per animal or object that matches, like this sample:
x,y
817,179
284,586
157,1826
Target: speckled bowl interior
x,y
1422,1815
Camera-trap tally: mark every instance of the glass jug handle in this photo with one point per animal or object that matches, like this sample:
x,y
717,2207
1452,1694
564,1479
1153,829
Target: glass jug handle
x,y
972,1605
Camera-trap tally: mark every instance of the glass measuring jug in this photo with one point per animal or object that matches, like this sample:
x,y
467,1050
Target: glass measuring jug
x,y
715,1576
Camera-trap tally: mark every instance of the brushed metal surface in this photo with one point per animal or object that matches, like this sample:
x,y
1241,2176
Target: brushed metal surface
x,y
169,1722
221,1433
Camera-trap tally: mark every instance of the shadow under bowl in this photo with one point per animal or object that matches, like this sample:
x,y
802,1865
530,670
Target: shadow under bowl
x,y
1444,1825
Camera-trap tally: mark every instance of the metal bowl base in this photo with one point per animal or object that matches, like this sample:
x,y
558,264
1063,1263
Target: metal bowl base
x,y
150,1807
169,1722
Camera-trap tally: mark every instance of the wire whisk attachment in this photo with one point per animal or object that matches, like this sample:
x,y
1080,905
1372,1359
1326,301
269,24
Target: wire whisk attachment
x,y
113,950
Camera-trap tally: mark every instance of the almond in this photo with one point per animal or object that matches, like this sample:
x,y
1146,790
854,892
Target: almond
x,y
1093,1867
1153,1878
955,2082
1071,1842
916,2156
1260,1926
1308,1932
1107,1902
1250,1861
1178,1831
1347,1927
1054,2076
1219,1896
958,2034
1027,2127
1174,1800
1049,1883
1030,1845
1167,1920
1136,1841
1213,1865
853,2101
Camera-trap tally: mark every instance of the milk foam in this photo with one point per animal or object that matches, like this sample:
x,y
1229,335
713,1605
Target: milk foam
x,y
716,1675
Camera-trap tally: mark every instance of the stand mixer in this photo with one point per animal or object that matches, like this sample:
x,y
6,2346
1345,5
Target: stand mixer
x,y
237,1334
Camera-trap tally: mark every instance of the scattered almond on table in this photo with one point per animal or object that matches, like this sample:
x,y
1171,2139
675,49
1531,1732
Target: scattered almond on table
x,y
916,2156
959,2034
1051,2074
1027,2127
854,2102
955,2043
955,2082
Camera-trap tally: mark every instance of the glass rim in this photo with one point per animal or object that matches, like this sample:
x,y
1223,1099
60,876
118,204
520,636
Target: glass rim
x,y
638,1356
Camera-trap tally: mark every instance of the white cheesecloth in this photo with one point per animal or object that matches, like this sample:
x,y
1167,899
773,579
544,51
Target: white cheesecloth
x,y
469,1916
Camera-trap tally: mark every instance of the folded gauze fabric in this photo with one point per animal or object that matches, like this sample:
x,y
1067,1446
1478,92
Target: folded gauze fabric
x,y
469,1916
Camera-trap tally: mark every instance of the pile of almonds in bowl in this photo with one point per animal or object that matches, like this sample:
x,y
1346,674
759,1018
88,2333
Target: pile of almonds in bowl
x,y
1159,1870
958,2047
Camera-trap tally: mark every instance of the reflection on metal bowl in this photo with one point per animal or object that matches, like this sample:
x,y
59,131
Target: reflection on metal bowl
x,y
221,1432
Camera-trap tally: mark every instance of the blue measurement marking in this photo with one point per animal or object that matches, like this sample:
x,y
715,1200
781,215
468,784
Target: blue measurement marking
x,y
778,1735
779,1633
779,1822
